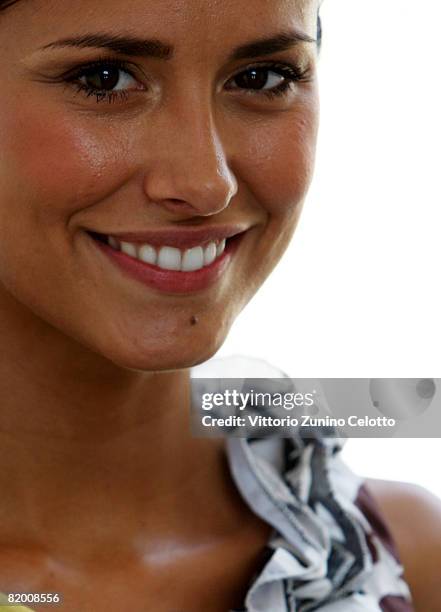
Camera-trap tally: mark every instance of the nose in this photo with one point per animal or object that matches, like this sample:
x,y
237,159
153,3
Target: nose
x,y
188,170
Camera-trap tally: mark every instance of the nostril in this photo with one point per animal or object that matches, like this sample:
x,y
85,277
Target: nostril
x,y
177,201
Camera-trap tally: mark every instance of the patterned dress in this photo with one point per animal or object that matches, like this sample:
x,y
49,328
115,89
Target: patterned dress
x,y
330,549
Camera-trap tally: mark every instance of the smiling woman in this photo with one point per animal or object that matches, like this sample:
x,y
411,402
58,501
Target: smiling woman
x,y
154,160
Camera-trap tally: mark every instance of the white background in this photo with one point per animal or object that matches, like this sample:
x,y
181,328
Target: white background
x,y
358,292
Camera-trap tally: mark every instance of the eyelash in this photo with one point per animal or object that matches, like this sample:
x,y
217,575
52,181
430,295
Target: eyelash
x,y
100,94
291,73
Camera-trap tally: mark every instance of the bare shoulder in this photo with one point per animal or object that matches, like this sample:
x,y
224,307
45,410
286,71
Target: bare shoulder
x,y
414,519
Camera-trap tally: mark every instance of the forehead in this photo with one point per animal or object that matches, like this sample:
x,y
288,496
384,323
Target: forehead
x,y
196,23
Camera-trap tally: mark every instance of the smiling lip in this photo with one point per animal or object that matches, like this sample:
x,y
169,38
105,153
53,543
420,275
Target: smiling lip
x,y
181,238
172,281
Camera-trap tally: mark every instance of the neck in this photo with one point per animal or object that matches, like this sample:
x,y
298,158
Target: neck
x,y
86,443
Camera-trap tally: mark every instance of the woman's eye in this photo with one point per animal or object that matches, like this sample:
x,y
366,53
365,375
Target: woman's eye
x,y
105,80
259,79
268,80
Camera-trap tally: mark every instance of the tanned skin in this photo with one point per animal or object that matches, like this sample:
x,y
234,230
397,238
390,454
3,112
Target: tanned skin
x,y
106,498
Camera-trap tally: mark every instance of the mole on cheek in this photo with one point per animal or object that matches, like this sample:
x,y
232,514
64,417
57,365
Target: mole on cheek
x,y
194,320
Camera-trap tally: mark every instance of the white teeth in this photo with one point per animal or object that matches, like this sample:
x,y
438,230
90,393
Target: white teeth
x,y
128,249
193,259
113,242
209,253
220,247
147,254
169,258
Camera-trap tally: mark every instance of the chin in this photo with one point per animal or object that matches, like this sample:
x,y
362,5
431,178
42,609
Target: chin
x,y
160,361
175,352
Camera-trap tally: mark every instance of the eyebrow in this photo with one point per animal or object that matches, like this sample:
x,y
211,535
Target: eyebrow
x,y
126,45
132,45
275,44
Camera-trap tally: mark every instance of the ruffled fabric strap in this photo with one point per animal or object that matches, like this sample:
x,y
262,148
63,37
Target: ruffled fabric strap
x,y
320,556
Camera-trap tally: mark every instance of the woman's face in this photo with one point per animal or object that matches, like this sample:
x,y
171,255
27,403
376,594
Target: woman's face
x,y
167,125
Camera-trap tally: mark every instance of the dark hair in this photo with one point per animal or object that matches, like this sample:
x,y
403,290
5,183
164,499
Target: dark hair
x,y
319,31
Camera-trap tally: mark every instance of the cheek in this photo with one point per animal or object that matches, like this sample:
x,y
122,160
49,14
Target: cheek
x,y
51,167
276,164
278,159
